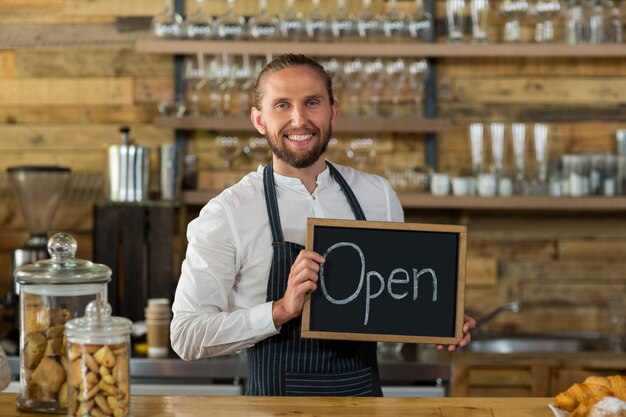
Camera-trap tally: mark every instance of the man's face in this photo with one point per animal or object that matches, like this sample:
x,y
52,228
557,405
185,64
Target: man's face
x,y
296,116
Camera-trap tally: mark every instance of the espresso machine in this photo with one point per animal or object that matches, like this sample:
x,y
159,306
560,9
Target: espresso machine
x,y
39,190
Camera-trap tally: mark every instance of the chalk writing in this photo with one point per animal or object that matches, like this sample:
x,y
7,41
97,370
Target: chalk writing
x,y
392,281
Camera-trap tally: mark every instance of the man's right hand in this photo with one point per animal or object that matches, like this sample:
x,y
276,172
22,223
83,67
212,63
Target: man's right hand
x,y
302,280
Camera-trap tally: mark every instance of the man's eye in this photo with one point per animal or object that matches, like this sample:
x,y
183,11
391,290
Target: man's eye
x,y
281,106
313,103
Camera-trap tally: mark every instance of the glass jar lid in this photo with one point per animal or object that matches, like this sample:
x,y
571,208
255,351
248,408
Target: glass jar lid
x,y
97,323
62,267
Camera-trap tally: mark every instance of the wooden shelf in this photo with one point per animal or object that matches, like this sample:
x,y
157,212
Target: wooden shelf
x,y
379,49
343,124
428,201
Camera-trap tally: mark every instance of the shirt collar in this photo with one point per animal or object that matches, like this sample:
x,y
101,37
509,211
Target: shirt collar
x,y
322,178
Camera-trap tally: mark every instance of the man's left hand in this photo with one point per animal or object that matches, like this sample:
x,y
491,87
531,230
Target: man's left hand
x,y
468,324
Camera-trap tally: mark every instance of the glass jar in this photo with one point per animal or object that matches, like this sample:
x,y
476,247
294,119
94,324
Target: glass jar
x,y
98,352
52,292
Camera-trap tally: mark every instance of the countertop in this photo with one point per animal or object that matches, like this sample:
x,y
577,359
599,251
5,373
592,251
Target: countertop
x,y
202,406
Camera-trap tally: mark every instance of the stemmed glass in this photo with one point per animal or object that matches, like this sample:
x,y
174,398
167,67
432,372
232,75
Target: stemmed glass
x,y
476,147
497,147
395,23
217,77
343,24
263,25
291,23
545,11
396,79
512,11
418,71
198,24
518,134
244,82
168,23
228,148
374,80
258,149
421,23
317,23
480,20
195,78
230,25
368,22
361,150
455,15
353,81
540,135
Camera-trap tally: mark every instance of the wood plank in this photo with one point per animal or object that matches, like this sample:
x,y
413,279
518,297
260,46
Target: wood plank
x,y
7,64
78,160
79,114
499,377
112,8
89,62
465,412
566,295
53,91
577,271
153,90
76,138
532,90
481,271
537,112
592,249
31,3
53,28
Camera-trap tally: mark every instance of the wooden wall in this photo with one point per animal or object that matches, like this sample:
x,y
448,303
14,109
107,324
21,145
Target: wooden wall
x,y
69,78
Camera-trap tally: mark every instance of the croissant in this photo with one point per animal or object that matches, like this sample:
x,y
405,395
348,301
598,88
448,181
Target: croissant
x,y
580,398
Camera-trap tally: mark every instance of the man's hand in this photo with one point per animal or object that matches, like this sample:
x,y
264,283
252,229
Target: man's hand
x,y
302,280
468,324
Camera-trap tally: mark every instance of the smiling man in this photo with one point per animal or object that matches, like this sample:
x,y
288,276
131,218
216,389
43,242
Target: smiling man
x,y
246,272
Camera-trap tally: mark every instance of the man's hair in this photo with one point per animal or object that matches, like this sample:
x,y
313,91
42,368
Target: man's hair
x,y
287,61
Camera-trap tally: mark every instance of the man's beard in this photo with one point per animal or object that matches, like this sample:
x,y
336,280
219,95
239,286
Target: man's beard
x,y
299,160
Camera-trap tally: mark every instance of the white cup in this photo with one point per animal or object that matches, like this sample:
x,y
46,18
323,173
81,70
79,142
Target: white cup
x,y
486,185
505,186
439,184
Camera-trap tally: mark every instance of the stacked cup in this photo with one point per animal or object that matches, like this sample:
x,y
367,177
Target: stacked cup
x,y
158,317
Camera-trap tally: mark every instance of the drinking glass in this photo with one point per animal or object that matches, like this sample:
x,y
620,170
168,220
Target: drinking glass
x,y
455,15
361,150
518,135
476,147
244,81
374,78
168,23
228,148
396,80
497,147
540,135
421,23
317,23
258,149
198,24
195,81
574,22
369,24
353,81
343,24
217,75
418,71
231,25
512,11
480,20
263,26
614,29
395,22
545,11
291,23
595,11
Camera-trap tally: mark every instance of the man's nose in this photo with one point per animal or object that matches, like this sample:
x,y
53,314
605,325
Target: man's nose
x,y
298,115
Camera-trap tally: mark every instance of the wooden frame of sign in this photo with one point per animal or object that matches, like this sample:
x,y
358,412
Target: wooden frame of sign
x,y
411,285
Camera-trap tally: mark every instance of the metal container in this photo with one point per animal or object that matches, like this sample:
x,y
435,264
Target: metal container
x,y
98,352
52,292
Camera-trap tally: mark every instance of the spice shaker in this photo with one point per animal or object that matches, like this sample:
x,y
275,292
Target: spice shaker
x,y
52,292
98,351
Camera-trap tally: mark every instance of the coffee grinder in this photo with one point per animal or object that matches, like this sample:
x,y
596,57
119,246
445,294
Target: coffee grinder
x,y
39,190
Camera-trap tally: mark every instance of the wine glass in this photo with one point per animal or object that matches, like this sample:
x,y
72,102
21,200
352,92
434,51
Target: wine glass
x,y
455,16
228,148
198,24
264,25
476,147
512,11
343,24
195,79
230,26
369,24
396,80
244,80
373,73
545,11
421,23
217,73
395,23
480,20
418,71
518,135
496,130
361,150
258,149
353,81
540,135
291,23
168,23
317,23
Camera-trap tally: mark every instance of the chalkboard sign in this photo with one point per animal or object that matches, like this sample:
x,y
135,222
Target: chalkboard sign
x,y
383,281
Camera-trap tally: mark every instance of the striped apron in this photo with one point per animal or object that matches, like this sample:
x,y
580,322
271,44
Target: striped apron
x,y
286,364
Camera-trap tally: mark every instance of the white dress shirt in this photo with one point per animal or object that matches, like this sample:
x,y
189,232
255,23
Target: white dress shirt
x,y
220,305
